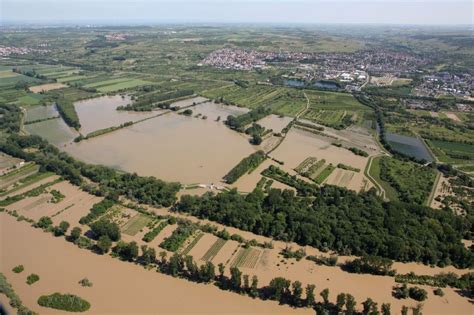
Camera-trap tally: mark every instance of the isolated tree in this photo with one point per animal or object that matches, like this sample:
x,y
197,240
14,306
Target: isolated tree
x,y
310,299
221,270
340,301
325,295
103,244
62,228
386,309
404,310
175,265
235,278
75,234
369,306
254,287
279,288
44,222
163,256
417,309
297,292
148,255
350,304
246,283
207,272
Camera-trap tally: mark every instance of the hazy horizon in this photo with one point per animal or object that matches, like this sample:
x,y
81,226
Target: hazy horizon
x,y
120,12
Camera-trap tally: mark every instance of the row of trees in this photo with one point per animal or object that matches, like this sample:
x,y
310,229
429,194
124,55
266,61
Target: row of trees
x,y
106,181
245,166
243,120
68,112
341,220
149,102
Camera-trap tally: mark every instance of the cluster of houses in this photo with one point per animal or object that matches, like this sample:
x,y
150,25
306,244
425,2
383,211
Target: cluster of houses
x,y
6,51
446,83
235,59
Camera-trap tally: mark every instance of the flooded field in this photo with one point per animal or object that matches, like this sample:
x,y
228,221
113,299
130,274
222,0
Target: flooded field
x,y
212,111
171,147
300,145
143,291
99,113
54,131
410,146
274,122
40,112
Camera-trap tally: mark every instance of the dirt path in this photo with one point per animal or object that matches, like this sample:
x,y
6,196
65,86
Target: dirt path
x,y
298,115
367,174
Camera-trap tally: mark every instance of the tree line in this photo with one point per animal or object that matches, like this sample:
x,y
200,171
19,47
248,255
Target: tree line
x,y
105,181
341,220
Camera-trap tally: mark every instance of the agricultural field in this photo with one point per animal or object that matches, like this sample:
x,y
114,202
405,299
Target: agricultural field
x,y
282,101
135,224
114,85
315,170
453,152
47,87
213,250
8,163
300,144
337,110
17,174
74,205
246,258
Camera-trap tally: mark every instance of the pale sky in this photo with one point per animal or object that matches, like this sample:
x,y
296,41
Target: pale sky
x,y
421,12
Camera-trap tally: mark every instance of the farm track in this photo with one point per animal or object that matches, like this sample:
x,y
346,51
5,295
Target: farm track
x,y
429,201
376,184
297,116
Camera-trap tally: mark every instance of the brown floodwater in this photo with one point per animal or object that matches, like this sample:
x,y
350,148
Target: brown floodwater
x,y
118,287
101,112
171,147
275,122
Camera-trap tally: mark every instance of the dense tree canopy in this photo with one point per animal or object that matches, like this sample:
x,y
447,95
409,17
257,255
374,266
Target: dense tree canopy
x,y
341,220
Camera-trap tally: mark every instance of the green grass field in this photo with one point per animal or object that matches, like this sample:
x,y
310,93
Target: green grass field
x,y
334,109
282,101
135,224
374,171
452,152
123,85
405,181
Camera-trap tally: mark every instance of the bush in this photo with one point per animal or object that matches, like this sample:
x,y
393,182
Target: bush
x,y
44,222
97,210
322,260
417,293
18,269
370,264
297,254
105,227
64,302
150,236
438,292
85,282
32,278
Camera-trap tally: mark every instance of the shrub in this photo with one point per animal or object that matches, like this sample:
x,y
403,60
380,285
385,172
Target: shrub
x,y
438,292
417,293
44,222
18,269
85,282
64,302
32,278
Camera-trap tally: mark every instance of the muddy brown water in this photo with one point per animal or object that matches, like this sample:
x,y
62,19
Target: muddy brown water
x,y
171,147
118,287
